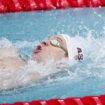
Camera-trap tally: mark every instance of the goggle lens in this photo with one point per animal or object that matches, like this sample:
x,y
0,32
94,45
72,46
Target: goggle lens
x,y
55,43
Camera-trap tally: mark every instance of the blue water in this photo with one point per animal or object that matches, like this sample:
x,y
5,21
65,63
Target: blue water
x,y
25,29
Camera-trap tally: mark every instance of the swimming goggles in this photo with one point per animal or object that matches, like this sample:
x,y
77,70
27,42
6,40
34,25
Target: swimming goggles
x,y
56,43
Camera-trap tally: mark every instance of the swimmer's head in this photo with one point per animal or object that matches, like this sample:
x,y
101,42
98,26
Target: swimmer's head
x,y
52,48
58,47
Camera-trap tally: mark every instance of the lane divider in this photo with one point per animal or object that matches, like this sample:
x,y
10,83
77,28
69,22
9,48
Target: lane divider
x,y
87,100
29,5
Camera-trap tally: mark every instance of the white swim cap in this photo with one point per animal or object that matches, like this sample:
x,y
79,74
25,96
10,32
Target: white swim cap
x,y
74,47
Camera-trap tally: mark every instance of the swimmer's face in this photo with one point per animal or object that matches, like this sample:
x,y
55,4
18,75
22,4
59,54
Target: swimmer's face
x,y
47,51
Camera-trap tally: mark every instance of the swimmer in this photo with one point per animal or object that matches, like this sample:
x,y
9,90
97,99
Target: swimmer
x,y
56,48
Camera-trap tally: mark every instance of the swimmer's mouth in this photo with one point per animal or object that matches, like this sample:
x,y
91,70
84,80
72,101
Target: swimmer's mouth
x,y
37,49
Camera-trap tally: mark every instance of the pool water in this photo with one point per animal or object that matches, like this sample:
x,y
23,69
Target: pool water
x,y
24,30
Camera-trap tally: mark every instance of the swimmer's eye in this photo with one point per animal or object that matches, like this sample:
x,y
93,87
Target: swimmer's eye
x,y
45,43
55,43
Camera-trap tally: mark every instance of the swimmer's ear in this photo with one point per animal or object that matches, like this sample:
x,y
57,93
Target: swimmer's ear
x,y
66,55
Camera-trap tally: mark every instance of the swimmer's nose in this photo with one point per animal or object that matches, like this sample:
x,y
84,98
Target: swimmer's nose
x,y
45,43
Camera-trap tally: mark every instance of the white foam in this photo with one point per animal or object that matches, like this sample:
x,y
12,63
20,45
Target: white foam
x,y
5,43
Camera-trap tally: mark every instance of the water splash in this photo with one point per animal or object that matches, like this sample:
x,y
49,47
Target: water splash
x,y
91,66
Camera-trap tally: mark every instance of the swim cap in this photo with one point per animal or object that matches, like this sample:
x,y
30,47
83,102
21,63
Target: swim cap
x,y
74,47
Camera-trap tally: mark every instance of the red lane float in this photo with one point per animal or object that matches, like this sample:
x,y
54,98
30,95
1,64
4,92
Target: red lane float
x,y
29,5
87,100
